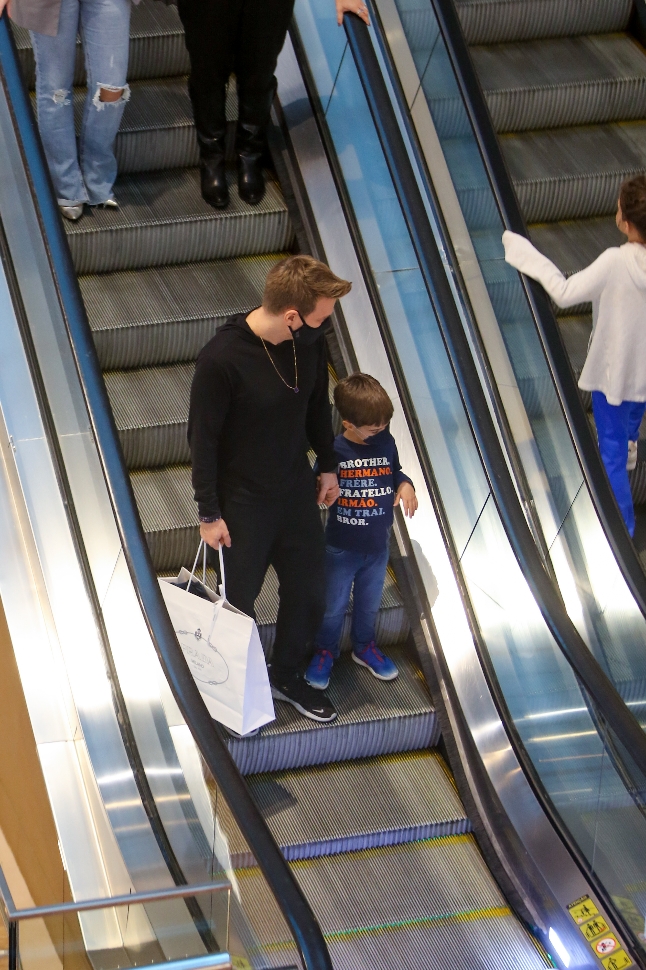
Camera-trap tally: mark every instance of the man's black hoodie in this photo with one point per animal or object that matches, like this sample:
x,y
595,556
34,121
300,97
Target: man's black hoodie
x,y
248,432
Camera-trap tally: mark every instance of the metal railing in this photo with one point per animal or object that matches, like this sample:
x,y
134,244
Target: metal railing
x,y
13,916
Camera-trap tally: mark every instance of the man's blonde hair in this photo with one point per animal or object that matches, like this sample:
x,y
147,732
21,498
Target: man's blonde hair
x,y
299,282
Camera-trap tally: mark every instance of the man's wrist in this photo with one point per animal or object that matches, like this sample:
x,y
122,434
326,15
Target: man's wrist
x,y
208,519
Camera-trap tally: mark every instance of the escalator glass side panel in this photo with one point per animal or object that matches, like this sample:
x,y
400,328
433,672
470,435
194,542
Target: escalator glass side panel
x,y
591,581
552,718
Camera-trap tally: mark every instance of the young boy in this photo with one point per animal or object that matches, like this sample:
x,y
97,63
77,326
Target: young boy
x,y
615,368
372,484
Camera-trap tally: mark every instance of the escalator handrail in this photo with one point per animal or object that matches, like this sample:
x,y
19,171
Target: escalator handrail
x,y
547,596
541,309
280,879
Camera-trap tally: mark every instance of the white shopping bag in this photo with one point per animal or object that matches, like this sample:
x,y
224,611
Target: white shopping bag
x,y
223,651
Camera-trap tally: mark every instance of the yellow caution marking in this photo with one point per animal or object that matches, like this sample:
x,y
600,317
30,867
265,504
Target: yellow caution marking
x,y
594,928
618,961
582,909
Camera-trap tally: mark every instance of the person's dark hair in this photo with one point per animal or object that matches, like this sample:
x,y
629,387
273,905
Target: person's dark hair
x,y
632,199
298,283
361,400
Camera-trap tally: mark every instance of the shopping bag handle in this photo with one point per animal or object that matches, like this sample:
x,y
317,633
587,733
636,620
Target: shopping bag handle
x,y
202,546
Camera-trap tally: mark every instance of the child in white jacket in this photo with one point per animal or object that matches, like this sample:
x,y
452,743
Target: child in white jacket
x,y
615,368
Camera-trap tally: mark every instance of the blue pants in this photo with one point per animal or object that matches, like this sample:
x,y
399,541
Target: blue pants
x,y
343,568
86,175
616,426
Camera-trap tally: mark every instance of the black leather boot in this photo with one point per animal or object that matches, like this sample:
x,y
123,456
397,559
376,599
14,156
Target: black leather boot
x,y
213,176
250,144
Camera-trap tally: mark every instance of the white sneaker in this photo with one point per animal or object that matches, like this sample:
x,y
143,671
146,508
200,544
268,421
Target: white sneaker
x,y
632,456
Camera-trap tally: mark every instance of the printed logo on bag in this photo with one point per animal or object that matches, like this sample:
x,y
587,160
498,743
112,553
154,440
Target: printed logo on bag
x,y
206,661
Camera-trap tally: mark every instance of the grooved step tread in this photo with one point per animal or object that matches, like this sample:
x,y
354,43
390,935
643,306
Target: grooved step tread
x,y
497,21
573,173
162,315
573,245
424,904
164,220
157,46
567,81
375,718
417,800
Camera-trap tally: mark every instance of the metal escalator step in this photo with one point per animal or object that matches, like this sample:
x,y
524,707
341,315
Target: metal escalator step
x,y
162,315
164,220
573,173
157,46
424,905
168,514
573,245
150,408
417,799
157,130
374,718
497,21
567,81
575,331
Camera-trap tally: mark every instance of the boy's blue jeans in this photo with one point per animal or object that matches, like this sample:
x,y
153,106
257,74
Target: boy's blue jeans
x,y
367,571
86,174
616,426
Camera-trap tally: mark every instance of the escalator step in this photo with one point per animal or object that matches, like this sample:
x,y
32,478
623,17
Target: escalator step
x,y
159,316
168,514
497,21
354,819
164,220
568,81
573,173
157,46
575,331
423,905
150,408
574,245
375,718
157,130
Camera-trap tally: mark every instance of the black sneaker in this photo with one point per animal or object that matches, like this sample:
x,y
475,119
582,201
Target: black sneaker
x,y
307,701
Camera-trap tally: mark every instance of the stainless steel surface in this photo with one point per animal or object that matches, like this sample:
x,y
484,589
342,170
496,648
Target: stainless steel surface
x,y
214,960
132,899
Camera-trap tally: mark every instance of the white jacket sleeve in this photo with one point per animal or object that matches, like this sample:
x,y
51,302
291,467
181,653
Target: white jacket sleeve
x,y
579,288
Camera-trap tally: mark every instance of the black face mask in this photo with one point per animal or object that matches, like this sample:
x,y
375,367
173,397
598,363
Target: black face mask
x,y
306,335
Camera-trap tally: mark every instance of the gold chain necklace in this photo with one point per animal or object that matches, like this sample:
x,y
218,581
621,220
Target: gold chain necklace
x,y
295,387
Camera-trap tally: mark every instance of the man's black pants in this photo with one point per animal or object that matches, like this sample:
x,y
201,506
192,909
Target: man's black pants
x,y
243,37
287,534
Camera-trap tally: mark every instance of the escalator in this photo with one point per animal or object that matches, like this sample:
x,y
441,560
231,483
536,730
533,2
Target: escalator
x,y
365,810
568,99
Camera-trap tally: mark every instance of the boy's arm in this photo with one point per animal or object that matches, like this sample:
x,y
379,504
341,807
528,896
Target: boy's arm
x,y
404,488
210,400
398,476
579,288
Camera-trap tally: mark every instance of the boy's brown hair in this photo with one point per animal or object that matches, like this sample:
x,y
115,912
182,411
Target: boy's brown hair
x,y
632,199
361,400
299,282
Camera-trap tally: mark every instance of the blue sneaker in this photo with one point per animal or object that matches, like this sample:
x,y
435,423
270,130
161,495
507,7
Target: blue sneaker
x,y
379,665
318,673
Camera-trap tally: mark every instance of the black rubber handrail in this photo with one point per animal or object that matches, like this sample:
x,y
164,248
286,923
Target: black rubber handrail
x,y
288,894
541,309
594,680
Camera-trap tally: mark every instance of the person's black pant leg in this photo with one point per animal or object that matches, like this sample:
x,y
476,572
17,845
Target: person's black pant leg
x,y
252,529
211,28
262,30
299,560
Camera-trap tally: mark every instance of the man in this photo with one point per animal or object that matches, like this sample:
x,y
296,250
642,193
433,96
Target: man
x,y
243,37
259,400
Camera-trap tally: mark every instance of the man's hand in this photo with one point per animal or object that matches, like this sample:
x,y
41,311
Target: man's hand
x,y
406,495
327,488
215,534
348,6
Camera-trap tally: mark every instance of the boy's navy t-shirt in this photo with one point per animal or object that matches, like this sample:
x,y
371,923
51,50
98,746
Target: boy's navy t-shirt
x,y
369,476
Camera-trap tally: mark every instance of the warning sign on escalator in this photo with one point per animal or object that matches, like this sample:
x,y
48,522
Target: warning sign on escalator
x,y
597,932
